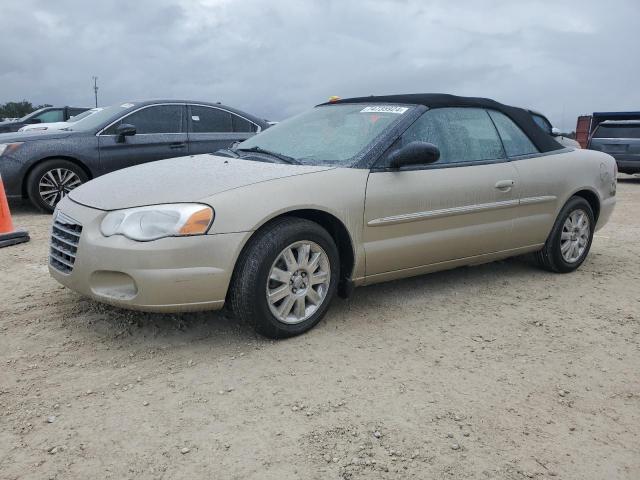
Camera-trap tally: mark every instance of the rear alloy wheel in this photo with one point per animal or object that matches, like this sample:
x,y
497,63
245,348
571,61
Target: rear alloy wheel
x,y
285,278
570,239
51,181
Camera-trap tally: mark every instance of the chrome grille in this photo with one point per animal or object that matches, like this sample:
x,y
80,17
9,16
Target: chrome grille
x,y
65,235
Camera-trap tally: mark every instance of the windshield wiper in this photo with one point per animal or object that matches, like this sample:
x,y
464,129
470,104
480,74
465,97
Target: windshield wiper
x,y
279,156
226,151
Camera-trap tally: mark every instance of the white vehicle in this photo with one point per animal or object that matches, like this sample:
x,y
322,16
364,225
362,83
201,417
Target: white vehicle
x,y
58,125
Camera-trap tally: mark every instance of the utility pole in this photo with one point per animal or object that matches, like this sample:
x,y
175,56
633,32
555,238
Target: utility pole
x,y
95,89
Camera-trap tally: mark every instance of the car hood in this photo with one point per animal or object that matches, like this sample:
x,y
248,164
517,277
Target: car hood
x,y
182,179
35,135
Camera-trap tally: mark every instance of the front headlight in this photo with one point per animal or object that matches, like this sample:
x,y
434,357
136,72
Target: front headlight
x,y
6,148
158,221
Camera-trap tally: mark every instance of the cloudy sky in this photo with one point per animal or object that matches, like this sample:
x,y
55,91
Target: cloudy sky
x,y
276,58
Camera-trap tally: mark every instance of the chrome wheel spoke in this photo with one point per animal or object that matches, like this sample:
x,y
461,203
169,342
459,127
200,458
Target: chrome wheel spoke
x,y
314,296
286,306
279,293
300,307
290,260
320,277
280,275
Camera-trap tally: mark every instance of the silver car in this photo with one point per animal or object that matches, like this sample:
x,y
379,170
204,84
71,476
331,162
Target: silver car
x,y
350,193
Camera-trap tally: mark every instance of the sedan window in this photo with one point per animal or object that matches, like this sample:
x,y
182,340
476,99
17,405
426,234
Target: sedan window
x,y
463,135
514,139
210,120
154,119
51,116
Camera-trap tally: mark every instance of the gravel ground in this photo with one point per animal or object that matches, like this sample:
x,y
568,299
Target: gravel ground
x,y
497,371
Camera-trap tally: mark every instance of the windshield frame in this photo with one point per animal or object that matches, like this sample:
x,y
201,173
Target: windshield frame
x,y
117,111
367,155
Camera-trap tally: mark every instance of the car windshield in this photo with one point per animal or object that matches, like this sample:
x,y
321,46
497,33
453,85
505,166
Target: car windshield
x,y
326,135
82,115
31,115
101,118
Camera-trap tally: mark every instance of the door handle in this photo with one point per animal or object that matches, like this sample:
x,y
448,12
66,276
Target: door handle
x,y
177,145
505,185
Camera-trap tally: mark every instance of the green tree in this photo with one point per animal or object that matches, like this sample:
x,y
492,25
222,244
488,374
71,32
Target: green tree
x,y
18,109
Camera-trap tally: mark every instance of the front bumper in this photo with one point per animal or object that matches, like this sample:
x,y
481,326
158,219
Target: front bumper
x,y
165,275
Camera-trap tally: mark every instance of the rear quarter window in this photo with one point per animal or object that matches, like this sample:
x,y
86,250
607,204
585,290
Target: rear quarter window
x,y
515,141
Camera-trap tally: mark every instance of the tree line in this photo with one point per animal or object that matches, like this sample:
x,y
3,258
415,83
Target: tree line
x,y
18,109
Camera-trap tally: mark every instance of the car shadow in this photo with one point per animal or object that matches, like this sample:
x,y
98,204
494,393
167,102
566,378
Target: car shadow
x,y
128,329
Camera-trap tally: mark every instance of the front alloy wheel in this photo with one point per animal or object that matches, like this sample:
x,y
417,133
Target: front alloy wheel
x,y
56,184
285,277
298,282
52,180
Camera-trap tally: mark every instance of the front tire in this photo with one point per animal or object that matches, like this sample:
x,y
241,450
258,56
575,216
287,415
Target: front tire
x,y
286,278
570,239
51,181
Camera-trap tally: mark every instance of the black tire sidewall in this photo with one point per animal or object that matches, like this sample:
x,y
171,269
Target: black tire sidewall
x,y
265,322
575,203
36,174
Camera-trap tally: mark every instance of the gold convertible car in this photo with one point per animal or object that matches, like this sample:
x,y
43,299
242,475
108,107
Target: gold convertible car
x,y
352,192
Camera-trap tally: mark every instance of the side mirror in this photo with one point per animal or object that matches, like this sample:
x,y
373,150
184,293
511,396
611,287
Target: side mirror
x,y
555,132
124,130
34,120
414,153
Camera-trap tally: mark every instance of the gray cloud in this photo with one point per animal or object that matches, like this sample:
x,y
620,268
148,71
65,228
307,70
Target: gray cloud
x,y
277,58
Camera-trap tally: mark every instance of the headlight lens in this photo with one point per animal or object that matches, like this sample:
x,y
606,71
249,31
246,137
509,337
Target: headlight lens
x,y
158,221
6,148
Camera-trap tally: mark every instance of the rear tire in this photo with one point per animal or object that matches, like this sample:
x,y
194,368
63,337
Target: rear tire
x,y
51,181
570,239
276,274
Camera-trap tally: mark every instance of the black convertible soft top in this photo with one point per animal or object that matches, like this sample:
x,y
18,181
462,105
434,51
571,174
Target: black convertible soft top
x,y
541,139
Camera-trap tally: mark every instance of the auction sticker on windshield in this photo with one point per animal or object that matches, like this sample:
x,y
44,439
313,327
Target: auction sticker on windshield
x,y
384,109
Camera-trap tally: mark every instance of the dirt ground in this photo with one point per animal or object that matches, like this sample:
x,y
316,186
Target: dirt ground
x,y
498,371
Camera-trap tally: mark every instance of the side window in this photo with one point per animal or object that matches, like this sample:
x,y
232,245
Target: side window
x,y
155,119
210,120
542,122
515,140
462,134
74,112
243,126
51,116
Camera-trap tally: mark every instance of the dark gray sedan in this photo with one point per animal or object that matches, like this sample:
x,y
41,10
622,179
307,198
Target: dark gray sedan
x,y
45,167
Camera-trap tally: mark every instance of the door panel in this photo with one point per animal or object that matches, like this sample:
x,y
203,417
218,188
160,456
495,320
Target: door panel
x,y
160,133
421,217
139,149
211,129
543,182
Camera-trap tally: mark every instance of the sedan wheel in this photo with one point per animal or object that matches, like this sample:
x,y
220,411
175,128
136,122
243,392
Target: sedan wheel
x,y
285,277
52,180
570,239
298,282
55,184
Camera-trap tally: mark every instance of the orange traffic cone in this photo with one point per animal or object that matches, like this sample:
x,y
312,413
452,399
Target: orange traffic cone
x,y
8,236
